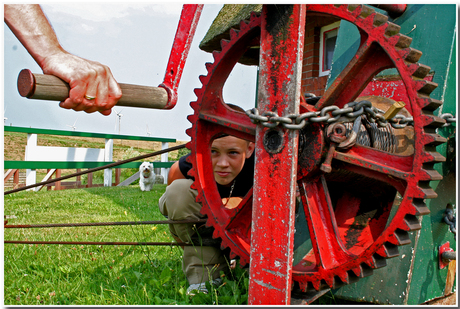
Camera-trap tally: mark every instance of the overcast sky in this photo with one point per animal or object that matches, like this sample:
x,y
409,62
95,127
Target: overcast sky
x,y
134,40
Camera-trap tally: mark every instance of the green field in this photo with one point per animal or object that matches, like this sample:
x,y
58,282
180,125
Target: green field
x,y
36,274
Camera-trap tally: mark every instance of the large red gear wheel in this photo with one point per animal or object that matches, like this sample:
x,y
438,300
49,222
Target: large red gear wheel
x,y
361,225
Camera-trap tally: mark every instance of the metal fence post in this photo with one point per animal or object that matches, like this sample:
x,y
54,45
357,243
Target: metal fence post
x,y
31,175
164,158
108,157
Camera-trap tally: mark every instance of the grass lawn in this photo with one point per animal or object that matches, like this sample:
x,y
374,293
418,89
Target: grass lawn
x,y
93,274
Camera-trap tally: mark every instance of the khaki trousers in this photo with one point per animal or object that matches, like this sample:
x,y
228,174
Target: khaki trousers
x,y
199,263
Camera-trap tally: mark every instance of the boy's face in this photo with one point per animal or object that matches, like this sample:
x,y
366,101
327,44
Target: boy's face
x,y
228,154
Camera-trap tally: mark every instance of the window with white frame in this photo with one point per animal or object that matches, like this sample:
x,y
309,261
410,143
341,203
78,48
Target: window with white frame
x,y
328,37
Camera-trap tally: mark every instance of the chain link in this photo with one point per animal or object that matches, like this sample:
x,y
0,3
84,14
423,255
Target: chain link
x,y
450,220
449,119
331,114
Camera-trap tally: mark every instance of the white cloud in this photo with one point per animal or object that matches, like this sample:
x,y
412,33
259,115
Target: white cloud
x,y
106,11
87,27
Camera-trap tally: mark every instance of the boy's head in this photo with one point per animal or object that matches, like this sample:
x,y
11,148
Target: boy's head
x,y
228,155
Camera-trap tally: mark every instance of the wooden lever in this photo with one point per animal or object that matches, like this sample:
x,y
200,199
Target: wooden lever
x,y
50,87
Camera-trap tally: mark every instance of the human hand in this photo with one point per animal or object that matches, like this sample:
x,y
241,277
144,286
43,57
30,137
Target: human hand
x,y
92,85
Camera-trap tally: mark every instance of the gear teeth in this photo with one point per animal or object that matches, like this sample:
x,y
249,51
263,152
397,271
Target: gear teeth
x,y
303,286
217,234
192,119
216,55
329,281
418,70
379,19
412,223
337,282
425,87
403,42
202,78
423,190
432,139
208,66
429,104
244,261
432,156
189,133
316,284
352,278
392,29
388,250
233,34
194,104
223,43
344,280
366,11
199,197
254,15
232,255
432,121
362,270
400,238
353,7
197,92
244,24
420,208
376,261
358,272
430,174
192,173
410,54
342,6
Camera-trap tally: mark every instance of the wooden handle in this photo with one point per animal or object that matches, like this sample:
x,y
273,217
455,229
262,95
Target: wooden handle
x,y
50,87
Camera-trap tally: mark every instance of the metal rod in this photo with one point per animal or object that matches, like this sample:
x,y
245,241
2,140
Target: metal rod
x,y
91,170
188,22
449,255
21,226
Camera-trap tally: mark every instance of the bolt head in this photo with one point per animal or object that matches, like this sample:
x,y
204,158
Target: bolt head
x,y
325,168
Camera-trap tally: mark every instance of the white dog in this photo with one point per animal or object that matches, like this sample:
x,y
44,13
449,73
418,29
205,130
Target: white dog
x,y
146,176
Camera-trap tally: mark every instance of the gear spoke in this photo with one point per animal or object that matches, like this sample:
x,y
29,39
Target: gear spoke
x,y
328,248
373,163
231,122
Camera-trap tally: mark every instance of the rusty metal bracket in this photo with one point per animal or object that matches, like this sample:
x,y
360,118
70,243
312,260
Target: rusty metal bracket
x,y
183,40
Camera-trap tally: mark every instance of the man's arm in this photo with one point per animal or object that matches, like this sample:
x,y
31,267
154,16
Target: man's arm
x,y
86,78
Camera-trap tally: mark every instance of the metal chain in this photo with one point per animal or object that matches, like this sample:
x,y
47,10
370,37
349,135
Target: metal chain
x,y
450,220
449,119
331,114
